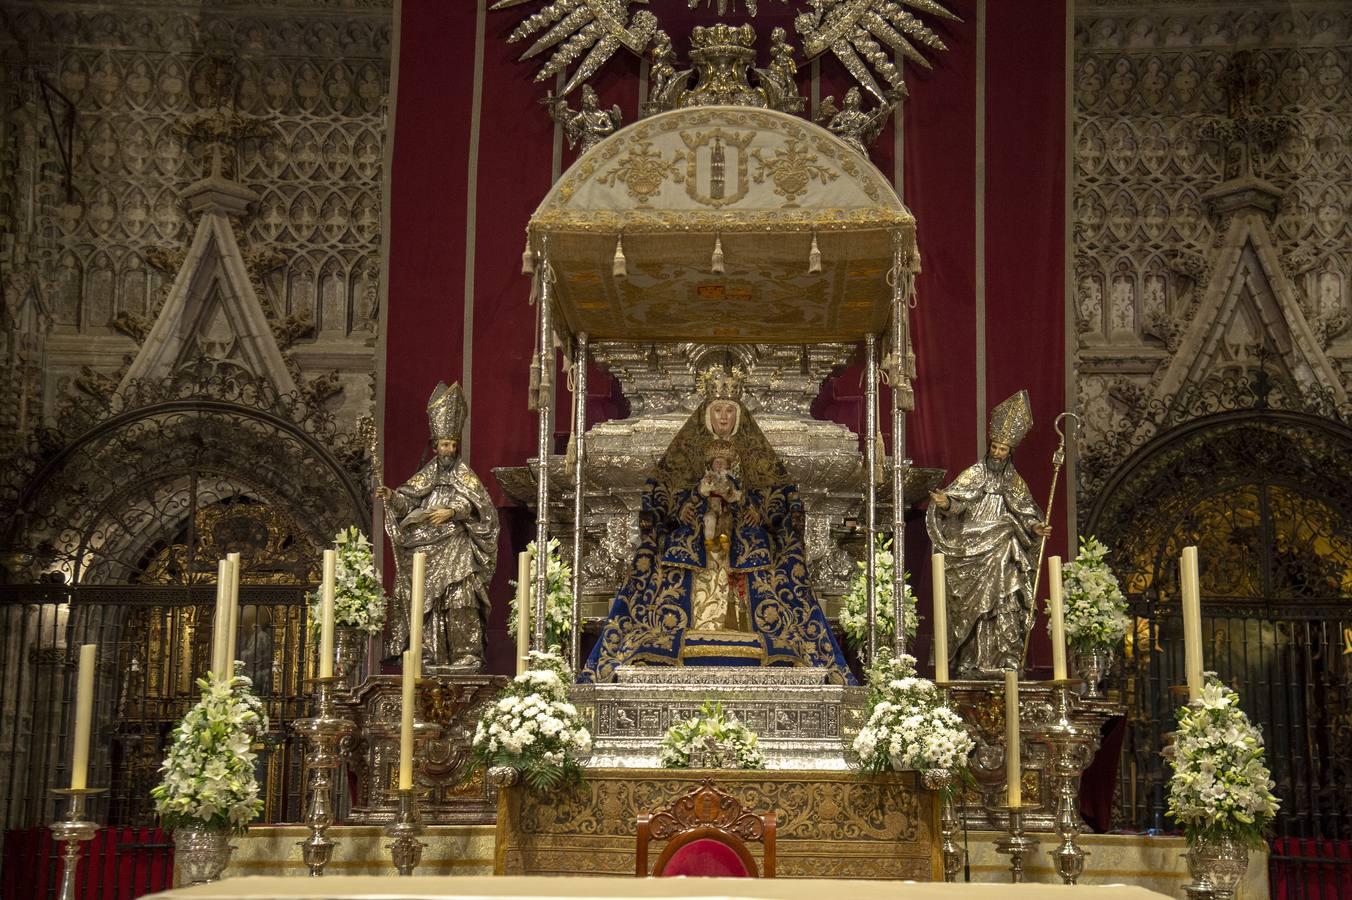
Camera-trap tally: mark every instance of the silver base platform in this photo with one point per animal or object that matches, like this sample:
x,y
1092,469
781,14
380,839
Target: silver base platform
x,y
801,721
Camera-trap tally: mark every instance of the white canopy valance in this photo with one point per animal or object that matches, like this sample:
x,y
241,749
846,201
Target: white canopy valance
x,y
805,227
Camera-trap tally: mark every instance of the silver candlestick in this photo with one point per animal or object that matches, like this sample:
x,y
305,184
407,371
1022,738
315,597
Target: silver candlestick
x,y
945,781
325,732
405,848
73,831
1072,749
1017,845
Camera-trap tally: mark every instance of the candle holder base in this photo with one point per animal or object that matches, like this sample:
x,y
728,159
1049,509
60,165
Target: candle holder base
x,y
73,831
405,848
1072,749
1017,845
945,782
325,733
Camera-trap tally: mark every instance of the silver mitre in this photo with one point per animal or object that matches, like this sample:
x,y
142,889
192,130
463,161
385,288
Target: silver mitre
x,y
446,411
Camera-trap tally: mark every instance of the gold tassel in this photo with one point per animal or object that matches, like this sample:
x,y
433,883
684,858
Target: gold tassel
x,y
534,291
880,458
619,268
910,360
528,259
906,396
814,257
716,263
570,455
533,400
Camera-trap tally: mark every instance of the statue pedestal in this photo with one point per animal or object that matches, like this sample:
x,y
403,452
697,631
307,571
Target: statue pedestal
x,y
800,720
981,705
453,702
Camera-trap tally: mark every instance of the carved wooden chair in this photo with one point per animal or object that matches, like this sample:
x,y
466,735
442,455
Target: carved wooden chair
x,y
707,833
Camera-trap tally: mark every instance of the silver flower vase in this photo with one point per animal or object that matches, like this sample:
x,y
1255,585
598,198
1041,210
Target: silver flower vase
x,y
1217,866
1093,666
201,854
349,656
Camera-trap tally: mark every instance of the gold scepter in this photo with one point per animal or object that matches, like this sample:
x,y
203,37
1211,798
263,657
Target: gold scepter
x,y
1058,460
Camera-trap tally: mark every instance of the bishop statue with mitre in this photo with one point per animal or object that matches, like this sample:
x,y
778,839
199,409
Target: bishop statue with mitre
x,y
445,512
989,529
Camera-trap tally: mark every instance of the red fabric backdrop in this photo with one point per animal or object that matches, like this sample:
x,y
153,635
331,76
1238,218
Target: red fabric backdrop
x,y
1022,207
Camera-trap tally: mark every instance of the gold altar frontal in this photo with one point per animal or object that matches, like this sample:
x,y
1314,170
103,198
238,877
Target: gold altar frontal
x,y
830,824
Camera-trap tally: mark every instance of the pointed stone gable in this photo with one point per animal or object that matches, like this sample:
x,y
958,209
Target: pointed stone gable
x,y
212,311
1249,298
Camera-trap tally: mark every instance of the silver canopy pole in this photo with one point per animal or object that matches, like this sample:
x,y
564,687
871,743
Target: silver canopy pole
x,y
900,464
871,490
579,432
545,444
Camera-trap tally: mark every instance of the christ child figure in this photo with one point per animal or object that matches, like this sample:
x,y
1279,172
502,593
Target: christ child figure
x,y
722,486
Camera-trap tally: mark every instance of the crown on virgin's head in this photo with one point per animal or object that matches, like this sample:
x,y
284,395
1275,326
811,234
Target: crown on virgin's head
x,y
722,384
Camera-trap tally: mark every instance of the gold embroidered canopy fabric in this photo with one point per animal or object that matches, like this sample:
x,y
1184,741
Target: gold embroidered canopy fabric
x,y
756,184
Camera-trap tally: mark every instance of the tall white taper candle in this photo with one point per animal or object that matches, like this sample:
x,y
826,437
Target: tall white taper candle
x,y
220,627
1192,622
326,614
232,625
523,585
1056,610
1013,767
84,716
939,581
406,724
415,612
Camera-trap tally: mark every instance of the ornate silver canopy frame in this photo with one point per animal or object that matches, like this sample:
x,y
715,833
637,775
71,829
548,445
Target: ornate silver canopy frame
x,y
722,225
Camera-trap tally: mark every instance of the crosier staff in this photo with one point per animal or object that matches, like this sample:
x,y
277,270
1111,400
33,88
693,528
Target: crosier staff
x,y
1058,460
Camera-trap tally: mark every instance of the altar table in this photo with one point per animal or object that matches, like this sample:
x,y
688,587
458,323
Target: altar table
x,y
531,888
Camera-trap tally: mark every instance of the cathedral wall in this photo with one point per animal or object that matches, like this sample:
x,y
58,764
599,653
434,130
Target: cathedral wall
x,y
1150,82
93,209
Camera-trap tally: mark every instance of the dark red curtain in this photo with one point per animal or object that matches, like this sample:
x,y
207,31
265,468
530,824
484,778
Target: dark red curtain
x,y
1009,174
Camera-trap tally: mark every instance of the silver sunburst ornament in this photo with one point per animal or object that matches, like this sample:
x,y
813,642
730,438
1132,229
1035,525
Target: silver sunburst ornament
x,y
865,35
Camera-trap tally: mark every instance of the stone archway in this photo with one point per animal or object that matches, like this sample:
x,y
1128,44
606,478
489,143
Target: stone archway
x,y
1266,495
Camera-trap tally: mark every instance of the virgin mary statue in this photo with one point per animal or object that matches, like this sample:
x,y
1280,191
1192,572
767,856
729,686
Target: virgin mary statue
x,y
720,576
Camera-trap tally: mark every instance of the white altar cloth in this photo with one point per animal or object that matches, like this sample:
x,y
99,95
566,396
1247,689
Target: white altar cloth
x,y
366,887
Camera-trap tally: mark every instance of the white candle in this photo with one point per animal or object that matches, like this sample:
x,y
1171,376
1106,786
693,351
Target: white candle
x,y
1192,622
220,626
1013,769
232,623
326,614
940,585
522,610
84,715
1056,609
406,725
415,613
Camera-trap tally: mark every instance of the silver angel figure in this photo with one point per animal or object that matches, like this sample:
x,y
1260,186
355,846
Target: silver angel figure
x,y
853,124
445,512
988,527
589,125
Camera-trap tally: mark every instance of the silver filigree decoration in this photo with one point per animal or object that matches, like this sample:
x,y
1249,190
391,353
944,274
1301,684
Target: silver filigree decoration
x,y
864,35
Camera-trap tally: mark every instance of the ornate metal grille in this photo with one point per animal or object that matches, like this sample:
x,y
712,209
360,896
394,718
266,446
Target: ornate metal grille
x,y
119,529
1267,497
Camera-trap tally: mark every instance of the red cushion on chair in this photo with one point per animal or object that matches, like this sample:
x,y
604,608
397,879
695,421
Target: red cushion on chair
x,y
706,858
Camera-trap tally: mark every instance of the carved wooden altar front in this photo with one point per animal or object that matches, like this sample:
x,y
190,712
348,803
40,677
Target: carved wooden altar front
x,y
830,824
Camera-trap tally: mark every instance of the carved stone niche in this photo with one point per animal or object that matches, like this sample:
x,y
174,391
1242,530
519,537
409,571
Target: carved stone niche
x,y
659,381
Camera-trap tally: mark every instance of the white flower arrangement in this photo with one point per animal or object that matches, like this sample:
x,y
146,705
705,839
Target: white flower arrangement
x,y
910,727
711,739
358,599
1220,786
1095,609
533,728
854,614
208,775
558,598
